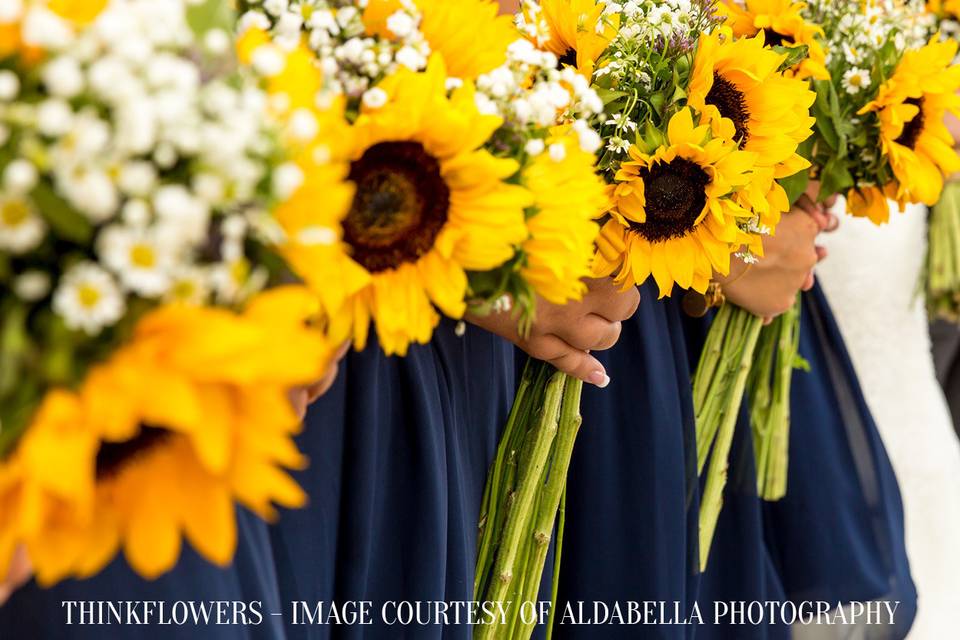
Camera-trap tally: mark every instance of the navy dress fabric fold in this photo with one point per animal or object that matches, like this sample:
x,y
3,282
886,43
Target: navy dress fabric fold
x,y
248,584
631,494
399,450
837,536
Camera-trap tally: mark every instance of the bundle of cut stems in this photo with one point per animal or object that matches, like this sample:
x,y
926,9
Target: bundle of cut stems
x,y
524,494
718,387
943,256
768,388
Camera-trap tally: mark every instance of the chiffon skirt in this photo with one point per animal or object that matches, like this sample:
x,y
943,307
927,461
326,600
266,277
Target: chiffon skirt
x,y
399,450
838,534
631,496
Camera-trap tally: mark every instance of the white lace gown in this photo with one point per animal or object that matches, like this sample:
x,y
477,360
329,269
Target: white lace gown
x,y
870,278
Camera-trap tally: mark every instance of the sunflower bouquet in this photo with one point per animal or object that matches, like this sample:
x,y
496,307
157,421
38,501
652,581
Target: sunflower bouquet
x,y
703,127
471,163
774,356
942,271
880,133
144,367
453,180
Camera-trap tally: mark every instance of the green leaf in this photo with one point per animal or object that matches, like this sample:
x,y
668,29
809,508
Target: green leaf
x,y
835,178
13,344
66,222
795,55
607,96
795,185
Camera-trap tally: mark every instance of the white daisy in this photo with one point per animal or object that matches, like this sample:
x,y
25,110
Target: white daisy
x,y
618,144
21,227
622,121
855,80
190,285
138,258
88,299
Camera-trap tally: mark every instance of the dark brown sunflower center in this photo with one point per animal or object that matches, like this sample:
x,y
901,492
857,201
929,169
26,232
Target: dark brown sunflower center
x,y
112,456
675,198
913,129
773,38
730,102
569,58
401,205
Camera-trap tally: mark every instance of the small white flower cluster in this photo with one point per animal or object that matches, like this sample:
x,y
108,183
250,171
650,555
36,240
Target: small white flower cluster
x,y
530,93
646,24
352,61
162,159
855,34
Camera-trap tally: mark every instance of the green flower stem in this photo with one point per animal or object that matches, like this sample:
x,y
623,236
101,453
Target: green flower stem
x,y
942,272
520,516
769,385
490,507
779,421
506,469
720,404
569,427
557,552
711,383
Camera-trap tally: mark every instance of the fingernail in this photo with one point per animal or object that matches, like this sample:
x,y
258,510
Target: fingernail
x,y
599,379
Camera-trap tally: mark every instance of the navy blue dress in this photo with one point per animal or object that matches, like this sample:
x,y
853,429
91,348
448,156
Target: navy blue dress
x,y
838,533
38,614
631,495
837,536
399,450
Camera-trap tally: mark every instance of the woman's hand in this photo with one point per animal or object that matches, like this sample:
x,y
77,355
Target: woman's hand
x,y
564,335
303,397
769,288
19,573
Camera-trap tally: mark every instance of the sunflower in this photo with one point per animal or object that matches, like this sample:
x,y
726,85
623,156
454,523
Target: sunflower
x,y
672,216
579,32
47,488
736,86
873,202
161,440
782,24
911,106
470,34
429,205
568,195
944,8
78,12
